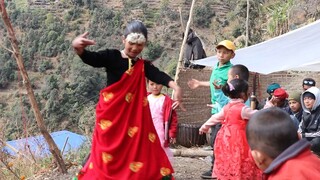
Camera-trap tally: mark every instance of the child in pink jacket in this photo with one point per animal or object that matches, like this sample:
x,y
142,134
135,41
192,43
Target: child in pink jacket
x,y
163,115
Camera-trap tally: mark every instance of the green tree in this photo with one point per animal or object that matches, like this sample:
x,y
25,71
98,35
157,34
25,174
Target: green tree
x,y
50,19
7,69
279,14
203,15
153,51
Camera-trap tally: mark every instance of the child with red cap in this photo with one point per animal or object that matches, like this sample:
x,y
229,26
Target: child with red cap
x,y
279,99
280,94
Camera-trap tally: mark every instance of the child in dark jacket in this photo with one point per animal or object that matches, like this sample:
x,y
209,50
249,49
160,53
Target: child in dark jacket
x,y
310,123
277,149
164,116
294,100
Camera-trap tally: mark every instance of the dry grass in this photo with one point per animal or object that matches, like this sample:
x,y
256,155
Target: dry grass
x,y
24,166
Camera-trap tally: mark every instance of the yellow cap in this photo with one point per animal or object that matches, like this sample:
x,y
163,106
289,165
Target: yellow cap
x,y
227,44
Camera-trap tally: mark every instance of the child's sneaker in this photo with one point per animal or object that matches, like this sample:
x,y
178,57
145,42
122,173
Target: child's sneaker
x,y
207,175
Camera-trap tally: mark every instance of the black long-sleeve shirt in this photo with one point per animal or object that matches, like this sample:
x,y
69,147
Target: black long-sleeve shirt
x,y
116,65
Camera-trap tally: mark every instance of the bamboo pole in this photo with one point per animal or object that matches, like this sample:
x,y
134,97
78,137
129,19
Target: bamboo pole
x,y
16,52
247,23
181,19
184,41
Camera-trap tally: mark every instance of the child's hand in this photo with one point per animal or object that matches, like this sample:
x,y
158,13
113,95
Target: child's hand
x,y
274,101
173,140
203,130
193,83
216,85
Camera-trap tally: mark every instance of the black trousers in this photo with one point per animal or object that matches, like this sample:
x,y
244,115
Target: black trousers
x,y
315,145
214,132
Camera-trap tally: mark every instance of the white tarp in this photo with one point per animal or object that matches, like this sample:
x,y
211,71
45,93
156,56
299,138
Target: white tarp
x,y
296,50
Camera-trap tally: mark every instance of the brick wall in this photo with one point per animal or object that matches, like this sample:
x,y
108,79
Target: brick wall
x,y
196,100
289,80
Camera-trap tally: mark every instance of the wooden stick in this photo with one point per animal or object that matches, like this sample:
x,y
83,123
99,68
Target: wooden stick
x,y
190,152
247,23
64,146
31,154
181,20
6,48
184,41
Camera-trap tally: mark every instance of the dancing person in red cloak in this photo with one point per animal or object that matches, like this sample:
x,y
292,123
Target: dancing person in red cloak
x,y
125,144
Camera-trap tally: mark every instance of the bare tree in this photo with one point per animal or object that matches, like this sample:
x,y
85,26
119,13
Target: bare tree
x,y
17,55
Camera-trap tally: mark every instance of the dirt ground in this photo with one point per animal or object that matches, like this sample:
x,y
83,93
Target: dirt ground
x,y
188,163
190,168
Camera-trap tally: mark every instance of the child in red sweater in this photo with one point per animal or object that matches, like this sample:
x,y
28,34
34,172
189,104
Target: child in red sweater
x,y
277,148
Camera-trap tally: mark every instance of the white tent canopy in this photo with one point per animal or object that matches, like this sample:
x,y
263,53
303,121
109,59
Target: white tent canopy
x,y
296,50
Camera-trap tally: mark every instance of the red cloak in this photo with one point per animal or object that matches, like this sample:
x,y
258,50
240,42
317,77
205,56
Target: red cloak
x,y
125,144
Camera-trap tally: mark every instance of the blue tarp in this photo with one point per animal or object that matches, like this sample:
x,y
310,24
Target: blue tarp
x,y
39,146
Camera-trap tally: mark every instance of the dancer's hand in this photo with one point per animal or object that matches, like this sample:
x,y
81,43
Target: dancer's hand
x,y
81,42
177,96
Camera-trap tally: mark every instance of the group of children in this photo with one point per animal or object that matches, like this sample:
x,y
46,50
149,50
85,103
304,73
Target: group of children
x,y
134,128
303,108
262,133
